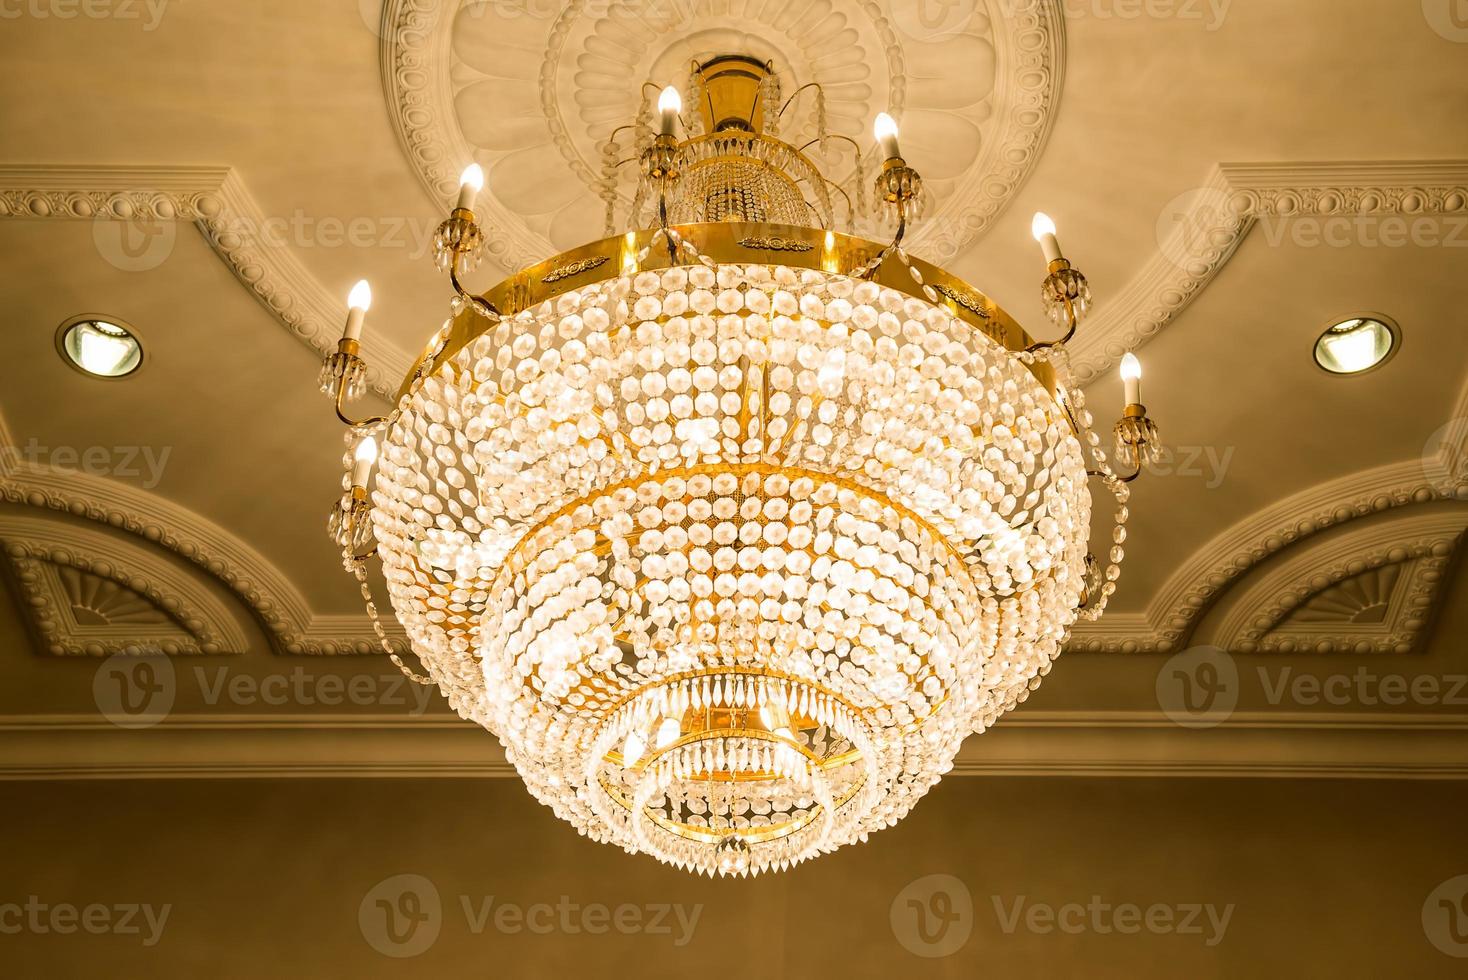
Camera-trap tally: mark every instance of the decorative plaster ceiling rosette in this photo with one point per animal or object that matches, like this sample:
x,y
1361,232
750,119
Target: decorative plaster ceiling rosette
x,y
532,88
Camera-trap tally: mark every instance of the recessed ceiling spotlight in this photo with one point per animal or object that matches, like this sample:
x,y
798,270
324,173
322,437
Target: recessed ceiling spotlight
x,y
103,348
1357,344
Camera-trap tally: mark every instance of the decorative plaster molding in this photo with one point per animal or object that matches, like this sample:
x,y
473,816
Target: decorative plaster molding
x,y
1312,745
1215,218
1418,544
416,55
216,201
54,559
292,626
1173,611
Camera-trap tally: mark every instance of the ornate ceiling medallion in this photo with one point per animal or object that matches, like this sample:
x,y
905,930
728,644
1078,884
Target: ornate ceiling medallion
x,y
735,532
534,89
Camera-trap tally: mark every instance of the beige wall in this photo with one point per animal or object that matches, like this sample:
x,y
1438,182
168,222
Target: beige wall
x,y
266,878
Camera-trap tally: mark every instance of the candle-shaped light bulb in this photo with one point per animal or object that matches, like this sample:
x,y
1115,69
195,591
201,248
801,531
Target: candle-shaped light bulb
x,y
364,457
358,301
1131,377
633,748
471,182
670,104
1044,231
668,732
885,129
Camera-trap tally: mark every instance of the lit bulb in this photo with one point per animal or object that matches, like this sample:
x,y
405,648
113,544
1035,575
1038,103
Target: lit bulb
x,y
358,301
633,748
365,456
1044,231
670,104
360,298
471,182
668,732
1131,376
885,129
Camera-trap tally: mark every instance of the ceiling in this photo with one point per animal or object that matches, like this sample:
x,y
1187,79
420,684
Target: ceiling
x,y
1231,177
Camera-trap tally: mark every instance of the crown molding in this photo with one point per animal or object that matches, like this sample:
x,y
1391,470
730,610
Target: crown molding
x,y
1219,215
289,622
1106,744
216,201
1174,610
33,541
1423,542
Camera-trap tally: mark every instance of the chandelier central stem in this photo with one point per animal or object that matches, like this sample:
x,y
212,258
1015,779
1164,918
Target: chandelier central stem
x,y
731,94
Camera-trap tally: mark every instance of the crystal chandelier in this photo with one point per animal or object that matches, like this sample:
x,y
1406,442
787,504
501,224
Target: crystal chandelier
x,y
733,526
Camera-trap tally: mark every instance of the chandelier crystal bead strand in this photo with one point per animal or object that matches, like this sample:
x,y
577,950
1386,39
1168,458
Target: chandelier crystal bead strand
x,y
733,526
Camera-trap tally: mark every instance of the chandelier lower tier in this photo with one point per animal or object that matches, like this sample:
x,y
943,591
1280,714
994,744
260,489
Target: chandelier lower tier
x,y
732,531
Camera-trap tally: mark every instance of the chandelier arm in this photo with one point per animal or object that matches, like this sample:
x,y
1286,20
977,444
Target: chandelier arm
x,y
793,96
341,413
1065,288
870,272
484,308
1072,319
850,211
1114,476
663,226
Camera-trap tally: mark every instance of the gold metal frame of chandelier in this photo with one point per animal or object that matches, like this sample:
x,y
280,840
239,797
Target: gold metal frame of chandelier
x,y
777,832
793,246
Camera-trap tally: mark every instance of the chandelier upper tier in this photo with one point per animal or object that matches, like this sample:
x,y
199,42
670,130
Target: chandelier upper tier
x,y
732,526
